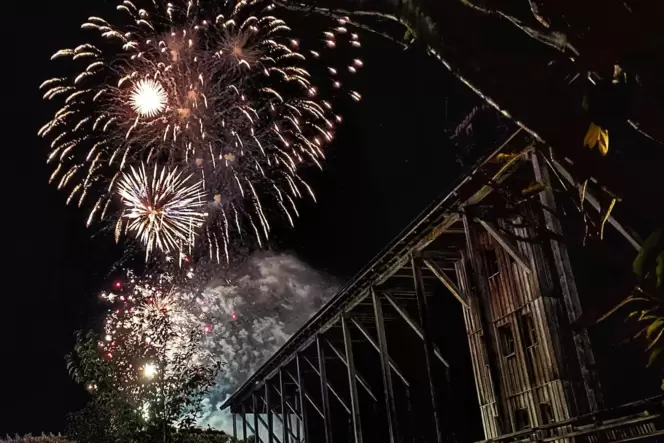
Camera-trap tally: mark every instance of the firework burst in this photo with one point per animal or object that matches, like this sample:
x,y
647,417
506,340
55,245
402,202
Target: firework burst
x,y
150,344
227,97
162,210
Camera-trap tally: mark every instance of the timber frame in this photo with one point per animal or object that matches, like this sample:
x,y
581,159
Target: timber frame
x,y
343,376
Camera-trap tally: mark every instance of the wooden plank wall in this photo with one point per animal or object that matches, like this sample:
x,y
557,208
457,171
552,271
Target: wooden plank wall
x,y
536,392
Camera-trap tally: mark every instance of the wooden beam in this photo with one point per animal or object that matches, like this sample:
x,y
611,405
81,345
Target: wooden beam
x,y
636,243
447,281
506,243
567,286
482,298
414,326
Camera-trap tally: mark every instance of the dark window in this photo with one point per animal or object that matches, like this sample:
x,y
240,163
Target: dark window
x,y
500,425
506,338
492,268
546,411
521,419
471,276
529,330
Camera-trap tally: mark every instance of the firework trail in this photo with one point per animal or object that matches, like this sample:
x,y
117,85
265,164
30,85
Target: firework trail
x,y
226,97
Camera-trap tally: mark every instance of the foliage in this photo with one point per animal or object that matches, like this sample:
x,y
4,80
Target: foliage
x,y
646,302
29,438
202,436
127,404
566,75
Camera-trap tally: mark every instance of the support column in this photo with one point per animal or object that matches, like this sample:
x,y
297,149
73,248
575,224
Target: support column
x,y
330,388
268,405
416,263
567,286
415,327
358,376
284,412
257,438
385,369
234,415
255,409
244,422
298,420
373,344
352,376
483,298
306,394
323,390
302,403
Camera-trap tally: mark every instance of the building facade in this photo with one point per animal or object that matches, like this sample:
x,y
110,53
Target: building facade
x,y
381,362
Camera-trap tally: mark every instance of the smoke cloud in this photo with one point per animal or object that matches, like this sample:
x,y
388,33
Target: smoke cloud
x,y
249,313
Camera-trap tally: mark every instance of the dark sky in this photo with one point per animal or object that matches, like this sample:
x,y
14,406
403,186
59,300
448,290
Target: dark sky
x,y
389,160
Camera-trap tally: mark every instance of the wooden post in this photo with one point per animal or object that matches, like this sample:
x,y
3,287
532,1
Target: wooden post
x,y
385,369
327,418
483,299
416,263
352,381
569,291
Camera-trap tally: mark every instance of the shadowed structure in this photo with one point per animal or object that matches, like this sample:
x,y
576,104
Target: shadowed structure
x,y
381,361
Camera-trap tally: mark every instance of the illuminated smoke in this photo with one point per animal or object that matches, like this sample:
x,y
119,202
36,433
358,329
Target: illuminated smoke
x,y
251,312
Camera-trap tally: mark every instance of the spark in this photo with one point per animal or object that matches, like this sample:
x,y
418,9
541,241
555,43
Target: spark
x,y
227,99
148,98
162,209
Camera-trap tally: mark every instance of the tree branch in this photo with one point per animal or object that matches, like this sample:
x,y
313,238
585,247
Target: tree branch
x,y
344,13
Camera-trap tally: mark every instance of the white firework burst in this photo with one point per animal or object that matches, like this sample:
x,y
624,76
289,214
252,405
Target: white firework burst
x,y
162,209
148,98
226,97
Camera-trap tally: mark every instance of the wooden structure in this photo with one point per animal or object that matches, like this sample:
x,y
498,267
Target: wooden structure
x,y
378,364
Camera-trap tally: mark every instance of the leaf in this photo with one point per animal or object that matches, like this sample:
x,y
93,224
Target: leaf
x,y
597,136
408,37
659,270
625,301
654,327
603,141
502,157
652,247
533,188
606,217
592,135
653,356
582,193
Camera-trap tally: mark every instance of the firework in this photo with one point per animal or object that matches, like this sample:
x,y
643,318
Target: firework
x,y
162,210
226,97
149,336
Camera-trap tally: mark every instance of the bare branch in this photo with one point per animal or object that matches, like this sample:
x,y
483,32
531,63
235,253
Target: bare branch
x,y
344,13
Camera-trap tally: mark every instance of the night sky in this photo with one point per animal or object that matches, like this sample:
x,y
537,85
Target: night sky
x,y
390,159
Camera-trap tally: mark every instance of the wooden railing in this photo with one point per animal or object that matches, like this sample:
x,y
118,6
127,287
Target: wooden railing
x,y
641,421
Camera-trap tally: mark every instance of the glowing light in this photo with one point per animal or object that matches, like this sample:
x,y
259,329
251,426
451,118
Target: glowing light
x,y
149,370
226,97
148,98
163,209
